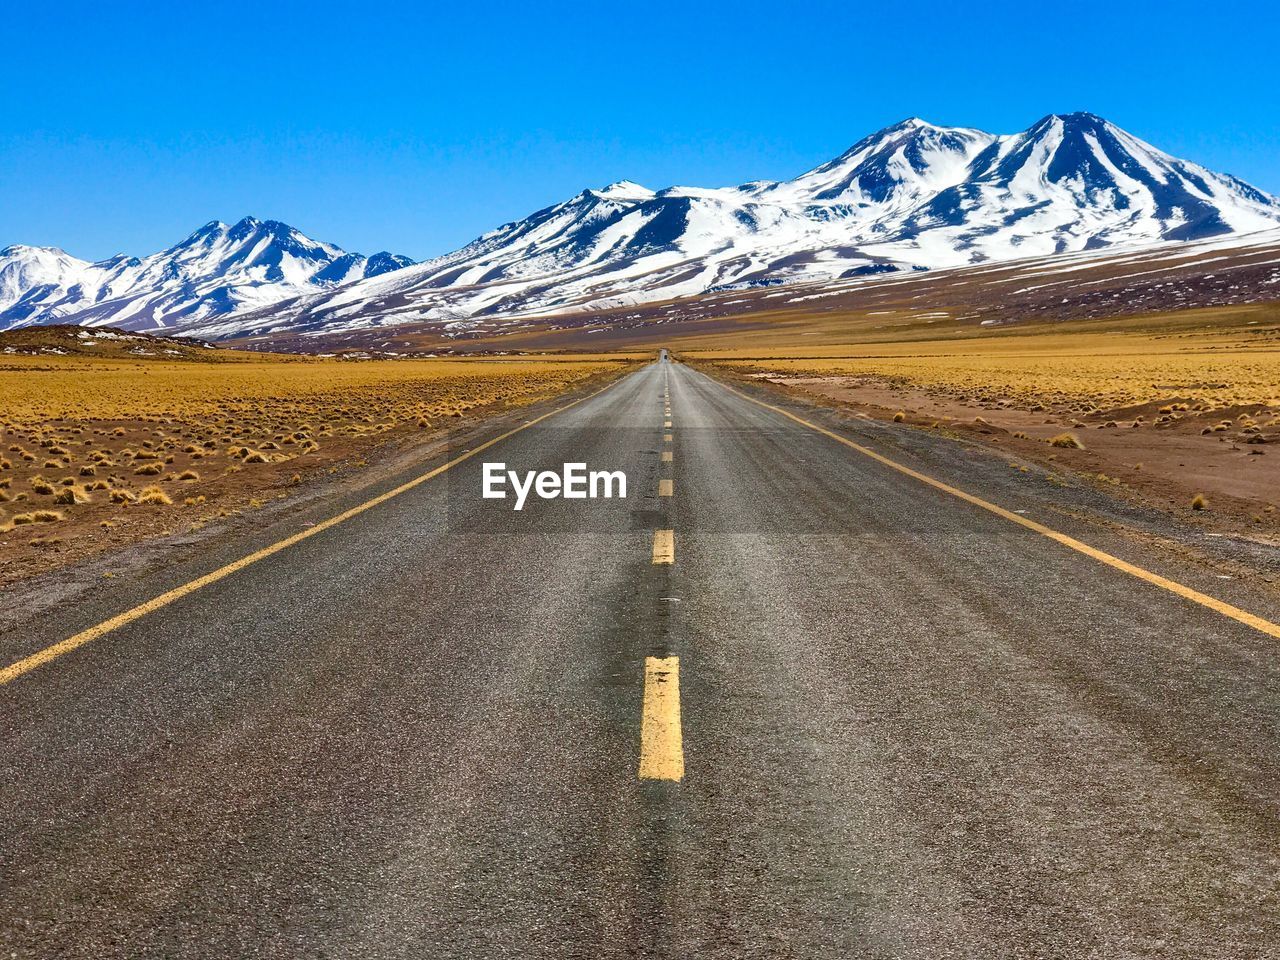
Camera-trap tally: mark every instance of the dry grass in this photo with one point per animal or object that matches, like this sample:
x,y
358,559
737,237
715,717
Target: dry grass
x,y
37,516
154,496
1082,369
89,432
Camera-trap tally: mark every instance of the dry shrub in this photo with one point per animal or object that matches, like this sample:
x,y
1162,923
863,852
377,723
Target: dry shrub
x,y
1067,441
37,516
154,496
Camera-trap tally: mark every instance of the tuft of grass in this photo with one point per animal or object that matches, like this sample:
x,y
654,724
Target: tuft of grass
x,y
154,496
899,417
41,486
1068,441
37,516
188,475
149,470
1198,502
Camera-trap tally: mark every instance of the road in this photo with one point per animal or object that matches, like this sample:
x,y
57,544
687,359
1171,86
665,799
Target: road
x,y
834,712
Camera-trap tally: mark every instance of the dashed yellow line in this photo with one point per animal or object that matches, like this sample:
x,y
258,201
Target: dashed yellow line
x,y
667,438
661,739
667,424
666,488
664,546
41,657
1182,590
666,456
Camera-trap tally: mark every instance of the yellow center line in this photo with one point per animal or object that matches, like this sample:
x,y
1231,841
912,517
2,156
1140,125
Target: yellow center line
x,y
1173,586
666,488
664,546
666,438
666,456
52,652
667,424
661,739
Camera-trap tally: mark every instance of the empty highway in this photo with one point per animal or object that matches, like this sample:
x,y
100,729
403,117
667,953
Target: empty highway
x,y
812,689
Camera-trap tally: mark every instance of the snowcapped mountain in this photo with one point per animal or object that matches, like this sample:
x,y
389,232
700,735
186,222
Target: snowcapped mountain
x,y
912,196
219,270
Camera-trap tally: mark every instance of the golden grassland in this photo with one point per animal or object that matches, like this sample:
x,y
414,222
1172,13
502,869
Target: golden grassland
x,y
42,388
84,439
1051,368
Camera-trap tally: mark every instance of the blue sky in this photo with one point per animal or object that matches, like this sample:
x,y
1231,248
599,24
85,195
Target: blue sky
x,y
125,126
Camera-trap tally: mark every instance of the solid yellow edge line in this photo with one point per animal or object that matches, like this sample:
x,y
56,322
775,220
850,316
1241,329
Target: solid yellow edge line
x,y
664,546
661,739
52,652
1173,586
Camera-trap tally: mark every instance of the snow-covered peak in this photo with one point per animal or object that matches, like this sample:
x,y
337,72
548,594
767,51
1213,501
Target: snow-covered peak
x,y
1113,185
624,190
24,268
895,166
217,269
30,252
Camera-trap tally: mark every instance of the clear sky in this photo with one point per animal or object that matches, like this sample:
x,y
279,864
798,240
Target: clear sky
x,y
415,126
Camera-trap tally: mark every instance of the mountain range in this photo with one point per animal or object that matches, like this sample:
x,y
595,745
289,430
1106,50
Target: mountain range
x,y
219,270
913,196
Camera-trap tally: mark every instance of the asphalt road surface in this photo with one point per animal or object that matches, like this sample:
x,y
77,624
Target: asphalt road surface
x,y
783,700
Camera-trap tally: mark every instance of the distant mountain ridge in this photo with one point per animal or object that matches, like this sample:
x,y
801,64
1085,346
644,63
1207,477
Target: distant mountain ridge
x,y
219,269
913,196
